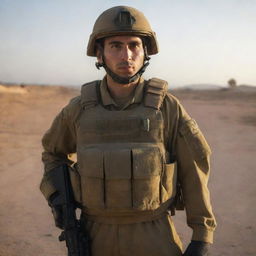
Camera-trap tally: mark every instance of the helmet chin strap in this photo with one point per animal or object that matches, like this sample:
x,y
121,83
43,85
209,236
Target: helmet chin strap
x,y
120,79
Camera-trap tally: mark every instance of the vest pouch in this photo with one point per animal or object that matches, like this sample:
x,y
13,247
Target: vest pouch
x,y
146,172
169,181
117,167
92,178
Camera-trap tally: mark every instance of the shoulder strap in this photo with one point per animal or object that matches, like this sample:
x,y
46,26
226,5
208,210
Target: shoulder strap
x,y
155,92
89,94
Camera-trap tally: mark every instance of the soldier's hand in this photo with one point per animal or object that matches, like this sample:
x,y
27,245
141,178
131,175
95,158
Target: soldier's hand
x,y
197,248
56,207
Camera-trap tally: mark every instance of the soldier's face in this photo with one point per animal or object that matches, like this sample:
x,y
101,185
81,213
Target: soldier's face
x,y
124,55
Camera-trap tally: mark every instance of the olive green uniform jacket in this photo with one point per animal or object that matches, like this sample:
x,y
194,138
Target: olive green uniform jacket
x,y
187,147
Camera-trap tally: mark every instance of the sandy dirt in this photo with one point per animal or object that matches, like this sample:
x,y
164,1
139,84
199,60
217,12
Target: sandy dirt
x,y
227,118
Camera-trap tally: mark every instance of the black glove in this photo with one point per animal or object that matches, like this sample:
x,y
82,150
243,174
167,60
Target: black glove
x,y
197,248
56,206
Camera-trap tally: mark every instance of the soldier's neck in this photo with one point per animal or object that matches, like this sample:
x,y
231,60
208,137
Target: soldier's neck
x,y
119,91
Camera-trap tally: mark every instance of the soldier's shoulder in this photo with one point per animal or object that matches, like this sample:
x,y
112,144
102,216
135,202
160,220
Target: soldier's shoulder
x,y
171,98
162,85
90,93
89,87
172,101
85,90
90,84
74,102
73,107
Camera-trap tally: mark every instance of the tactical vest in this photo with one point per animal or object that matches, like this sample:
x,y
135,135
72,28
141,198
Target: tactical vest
x,y
122,160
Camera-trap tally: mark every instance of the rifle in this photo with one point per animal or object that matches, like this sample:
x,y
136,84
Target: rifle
x,y
77,240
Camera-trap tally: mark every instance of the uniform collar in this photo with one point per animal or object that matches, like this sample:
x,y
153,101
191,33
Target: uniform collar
x,y
108,100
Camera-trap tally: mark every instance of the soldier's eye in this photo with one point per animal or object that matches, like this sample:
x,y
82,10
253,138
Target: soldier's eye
x,y
134,45
115,46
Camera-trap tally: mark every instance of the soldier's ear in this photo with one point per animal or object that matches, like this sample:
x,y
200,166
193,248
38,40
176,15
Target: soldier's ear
x,y
99,53
99,57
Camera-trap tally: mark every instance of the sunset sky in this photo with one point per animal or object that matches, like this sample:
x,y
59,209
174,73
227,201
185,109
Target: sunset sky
x,y
201,41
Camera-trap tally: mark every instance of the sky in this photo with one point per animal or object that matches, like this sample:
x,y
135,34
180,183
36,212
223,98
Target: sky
x,y
201,41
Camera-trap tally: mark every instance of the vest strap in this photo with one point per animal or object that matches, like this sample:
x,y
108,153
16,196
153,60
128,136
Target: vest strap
x,y
156,90
155,93
89,94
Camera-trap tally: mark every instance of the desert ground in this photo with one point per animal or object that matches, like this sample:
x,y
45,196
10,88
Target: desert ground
x,y
227,118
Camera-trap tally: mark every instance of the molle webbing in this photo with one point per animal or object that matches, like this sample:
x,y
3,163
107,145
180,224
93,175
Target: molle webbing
x,y
155,93
122,157
156,90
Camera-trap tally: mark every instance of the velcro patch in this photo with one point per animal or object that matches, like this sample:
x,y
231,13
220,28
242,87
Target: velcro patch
x,y
195,139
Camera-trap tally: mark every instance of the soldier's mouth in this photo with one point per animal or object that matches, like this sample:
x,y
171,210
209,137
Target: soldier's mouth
x,y
125,64
125,67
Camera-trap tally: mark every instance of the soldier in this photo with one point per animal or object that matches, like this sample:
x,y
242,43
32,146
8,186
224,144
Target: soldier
x,y
137,150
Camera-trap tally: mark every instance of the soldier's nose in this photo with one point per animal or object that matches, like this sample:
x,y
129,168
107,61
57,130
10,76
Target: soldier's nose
x,y
126,53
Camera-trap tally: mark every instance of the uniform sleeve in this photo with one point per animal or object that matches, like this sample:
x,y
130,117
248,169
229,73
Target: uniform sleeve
x,y
58,142
192,154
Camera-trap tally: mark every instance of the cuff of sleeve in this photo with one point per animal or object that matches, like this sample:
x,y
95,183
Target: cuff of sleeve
x,y
202,234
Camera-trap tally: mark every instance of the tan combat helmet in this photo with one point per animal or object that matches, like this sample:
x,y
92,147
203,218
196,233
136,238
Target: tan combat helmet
x,y
122,20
